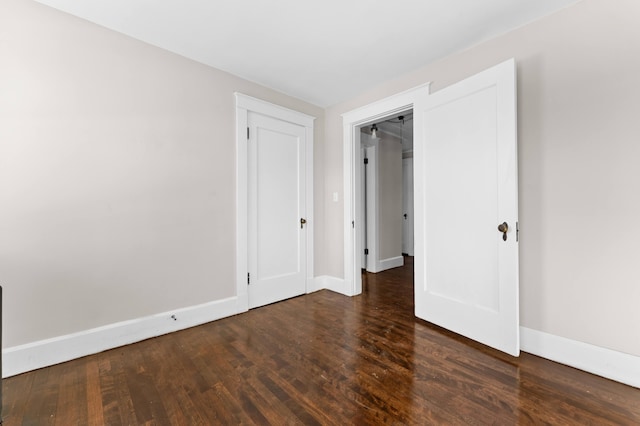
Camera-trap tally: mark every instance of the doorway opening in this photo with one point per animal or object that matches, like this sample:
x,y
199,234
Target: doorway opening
x,y
386,192
388,108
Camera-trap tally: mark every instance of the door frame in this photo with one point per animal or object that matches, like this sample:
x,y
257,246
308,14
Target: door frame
x,y
408,233
372,223
244,105
352,121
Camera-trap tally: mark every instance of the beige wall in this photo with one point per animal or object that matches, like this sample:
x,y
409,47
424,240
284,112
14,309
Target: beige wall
x,y
579,147
116,176
389,196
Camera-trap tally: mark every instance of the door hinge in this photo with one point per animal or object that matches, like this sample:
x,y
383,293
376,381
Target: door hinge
x,y
247,132
517,232
366,161
366,251
248,278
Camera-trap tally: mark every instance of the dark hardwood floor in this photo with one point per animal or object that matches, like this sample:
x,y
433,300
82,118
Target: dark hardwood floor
x,y
317,359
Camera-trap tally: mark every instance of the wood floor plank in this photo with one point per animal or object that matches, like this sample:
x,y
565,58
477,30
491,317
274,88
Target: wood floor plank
x,y
123,400
13,409
318,359
95,409
147,403
41,407
71,408
174,375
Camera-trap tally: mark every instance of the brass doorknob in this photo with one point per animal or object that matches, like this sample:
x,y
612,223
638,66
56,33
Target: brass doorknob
x,y
503,227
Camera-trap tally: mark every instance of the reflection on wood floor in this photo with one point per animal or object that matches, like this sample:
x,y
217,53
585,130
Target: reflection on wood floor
x,y
323,359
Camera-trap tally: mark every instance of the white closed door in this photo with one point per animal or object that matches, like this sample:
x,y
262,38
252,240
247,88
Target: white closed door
x,y
465,168
276,210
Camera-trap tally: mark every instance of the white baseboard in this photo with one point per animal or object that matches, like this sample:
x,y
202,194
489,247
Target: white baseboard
x,y
338,285
603,362
315,284
43,353
392,262
384,264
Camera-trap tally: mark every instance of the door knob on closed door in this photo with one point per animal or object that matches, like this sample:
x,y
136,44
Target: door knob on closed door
x,y
503,227
302,222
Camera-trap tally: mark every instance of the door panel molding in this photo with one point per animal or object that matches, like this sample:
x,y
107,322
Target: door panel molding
x,y
244,105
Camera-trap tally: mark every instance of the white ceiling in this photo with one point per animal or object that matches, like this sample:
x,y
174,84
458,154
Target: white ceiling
x,y
321,51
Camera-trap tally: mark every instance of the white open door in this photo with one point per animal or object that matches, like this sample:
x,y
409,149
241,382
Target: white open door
x,y
465,168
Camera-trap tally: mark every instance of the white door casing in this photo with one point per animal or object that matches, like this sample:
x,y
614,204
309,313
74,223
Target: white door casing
x,y
465,165
274,191
353,228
